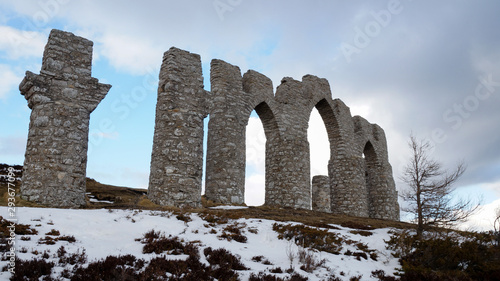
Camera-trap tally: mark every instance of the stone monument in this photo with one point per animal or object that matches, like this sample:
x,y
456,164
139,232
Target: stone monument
x,y
61,98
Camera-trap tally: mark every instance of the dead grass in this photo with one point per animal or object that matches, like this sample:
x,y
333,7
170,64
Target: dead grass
x,y
130,198
121,196
307,217
144,202
4,188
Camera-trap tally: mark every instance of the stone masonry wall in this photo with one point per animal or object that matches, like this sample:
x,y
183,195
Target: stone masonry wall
x,y
380,187
177,157
356,185
321,194
61,97
225,176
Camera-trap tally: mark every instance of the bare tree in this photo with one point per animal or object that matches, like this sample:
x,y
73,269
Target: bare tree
x,y
430,190
496,225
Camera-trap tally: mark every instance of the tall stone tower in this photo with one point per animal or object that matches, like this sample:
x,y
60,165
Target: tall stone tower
x,y
225,176
61,97
177,157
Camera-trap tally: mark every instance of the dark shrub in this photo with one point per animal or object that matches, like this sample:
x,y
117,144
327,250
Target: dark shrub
x,y
183,217
156,242
223,258
264,277
380,274
447,258
53,232
31,270
70,239
223,264
111,268
233,232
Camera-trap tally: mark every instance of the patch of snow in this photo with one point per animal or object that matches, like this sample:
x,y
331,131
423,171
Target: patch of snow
x,y
229,207
94,200
114,232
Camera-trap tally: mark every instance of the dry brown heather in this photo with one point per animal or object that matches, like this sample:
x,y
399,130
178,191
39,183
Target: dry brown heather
x,y
129,198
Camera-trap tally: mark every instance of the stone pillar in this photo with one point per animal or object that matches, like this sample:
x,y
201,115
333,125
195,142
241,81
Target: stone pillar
x,y
177,157
61,97
289,160
348,184
383,197
321,196
260,90
226,151
289,184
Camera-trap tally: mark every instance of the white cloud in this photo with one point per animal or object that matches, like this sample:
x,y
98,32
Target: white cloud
x,y
13,146
8,80
20,44
129,54
318,144
483,219
361,109
494,187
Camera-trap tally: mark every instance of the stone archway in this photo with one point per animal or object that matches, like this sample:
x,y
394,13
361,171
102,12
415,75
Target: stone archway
x,y
272,138
177,157
321,190
370,170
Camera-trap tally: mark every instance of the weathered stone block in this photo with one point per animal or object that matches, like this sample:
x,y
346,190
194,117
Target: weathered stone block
x,y
177,157
321,194
62,96
56,158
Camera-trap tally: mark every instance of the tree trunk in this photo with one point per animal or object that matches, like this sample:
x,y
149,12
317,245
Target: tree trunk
x,y
420,220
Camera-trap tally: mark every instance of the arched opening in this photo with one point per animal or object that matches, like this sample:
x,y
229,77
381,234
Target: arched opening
x,y
330,121
205,141
319,144
255,161
262,131
370,169
324,137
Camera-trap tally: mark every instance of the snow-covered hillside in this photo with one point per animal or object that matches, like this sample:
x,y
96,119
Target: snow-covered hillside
x,y
101,233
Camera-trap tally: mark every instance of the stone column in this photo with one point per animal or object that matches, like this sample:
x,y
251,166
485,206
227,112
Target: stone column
x,y
289,160
177,157
61,97
321,196
348,184
383,197
226,151
289,181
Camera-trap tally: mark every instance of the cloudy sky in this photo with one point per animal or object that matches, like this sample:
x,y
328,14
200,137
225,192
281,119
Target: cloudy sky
x,y
427,67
